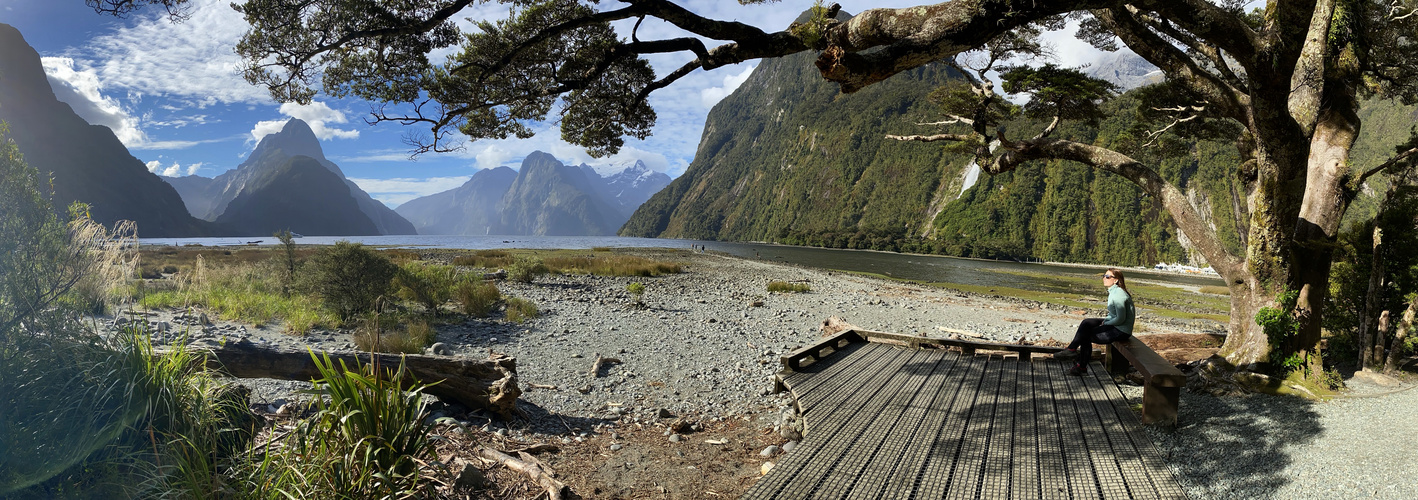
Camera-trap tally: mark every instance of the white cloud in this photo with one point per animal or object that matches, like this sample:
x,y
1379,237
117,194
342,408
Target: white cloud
x,y
194,58
496,155
317,114
712,95
174,170
81,89
399,190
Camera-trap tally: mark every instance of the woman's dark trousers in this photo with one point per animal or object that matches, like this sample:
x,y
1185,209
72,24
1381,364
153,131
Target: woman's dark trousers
x,y
1093,331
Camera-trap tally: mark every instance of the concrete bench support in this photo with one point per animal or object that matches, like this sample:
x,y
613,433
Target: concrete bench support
x,y
1162,382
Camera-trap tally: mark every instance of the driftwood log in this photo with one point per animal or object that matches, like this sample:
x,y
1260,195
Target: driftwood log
x,y
489,384
556,490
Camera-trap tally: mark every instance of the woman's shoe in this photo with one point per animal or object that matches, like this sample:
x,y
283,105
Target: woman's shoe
x,y
1078,370
1066,354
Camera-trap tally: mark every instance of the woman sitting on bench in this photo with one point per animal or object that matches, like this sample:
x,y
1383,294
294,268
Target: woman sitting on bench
x,y
1117,326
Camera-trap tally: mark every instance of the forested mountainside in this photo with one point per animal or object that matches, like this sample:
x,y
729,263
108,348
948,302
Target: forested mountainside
x,y
789,159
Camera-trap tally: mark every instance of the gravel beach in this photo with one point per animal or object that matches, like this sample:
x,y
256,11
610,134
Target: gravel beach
x,y
706,342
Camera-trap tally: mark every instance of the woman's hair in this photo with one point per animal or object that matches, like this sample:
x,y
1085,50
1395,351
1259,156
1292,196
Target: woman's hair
x,y
1121,281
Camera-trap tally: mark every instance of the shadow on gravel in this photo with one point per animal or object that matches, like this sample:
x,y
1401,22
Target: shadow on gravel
x,y
1236,446
544,422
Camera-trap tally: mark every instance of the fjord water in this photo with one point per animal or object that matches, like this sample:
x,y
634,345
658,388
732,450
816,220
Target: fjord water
x,y
1056,278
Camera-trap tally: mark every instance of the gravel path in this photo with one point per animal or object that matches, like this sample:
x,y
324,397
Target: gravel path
x,y
1260,446
706,342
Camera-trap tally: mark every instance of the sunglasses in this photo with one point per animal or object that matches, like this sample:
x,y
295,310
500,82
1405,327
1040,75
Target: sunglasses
x,y
1109,276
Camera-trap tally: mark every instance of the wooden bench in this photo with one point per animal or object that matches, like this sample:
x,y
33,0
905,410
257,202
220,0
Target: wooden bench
x,y
1161,382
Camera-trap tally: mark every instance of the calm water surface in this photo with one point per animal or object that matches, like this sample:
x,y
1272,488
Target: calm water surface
x,y
928,268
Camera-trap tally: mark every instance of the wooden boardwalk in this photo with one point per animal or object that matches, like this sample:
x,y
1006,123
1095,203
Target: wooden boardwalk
x,y
889,422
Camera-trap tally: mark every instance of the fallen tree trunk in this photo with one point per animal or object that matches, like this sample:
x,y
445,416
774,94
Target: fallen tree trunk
x,y
489,384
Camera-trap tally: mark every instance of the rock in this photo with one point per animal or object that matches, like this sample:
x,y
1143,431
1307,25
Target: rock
x,y
763,469
665,413
789,446
675,438
790,433
769,451
440,349
470,477
616,447
1376,378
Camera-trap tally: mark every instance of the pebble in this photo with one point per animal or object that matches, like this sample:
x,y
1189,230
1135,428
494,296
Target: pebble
x,y
675,438
615,447
769,451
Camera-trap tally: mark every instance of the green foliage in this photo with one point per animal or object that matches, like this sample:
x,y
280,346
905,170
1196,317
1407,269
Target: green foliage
x,y
365,440
1063,92
526,270
637,290
1281,327
477,297
425,283
783,286
62,395
288,261
348,278
520,310
249,292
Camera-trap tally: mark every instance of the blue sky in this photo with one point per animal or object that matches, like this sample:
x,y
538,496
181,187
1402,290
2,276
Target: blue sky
x,y
172,94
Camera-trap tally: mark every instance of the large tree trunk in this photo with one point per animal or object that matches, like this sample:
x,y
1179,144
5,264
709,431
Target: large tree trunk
x,y
489,384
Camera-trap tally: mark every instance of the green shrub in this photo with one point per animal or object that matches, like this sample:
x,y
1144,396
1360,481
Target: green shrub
x,y
477,297
526,270
636,289
783,286
487,259
427,284
348,278
366,440
520,310
387,334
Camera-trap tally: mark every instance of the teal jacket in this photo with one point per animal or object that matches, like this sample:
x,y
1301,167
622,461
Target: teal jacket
x,y
1120,311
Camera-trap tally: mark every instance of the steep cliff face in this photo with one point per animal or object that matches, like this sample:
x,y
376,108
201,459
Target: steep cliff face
x,y
87,162
273,154
467,209
789,158
550,198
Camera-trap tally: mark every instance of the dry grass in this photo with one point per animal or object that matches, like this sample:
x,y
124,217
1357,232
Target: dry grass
x,y
783,286
376,335
1215,290
520,310
487,259
477,298
610,265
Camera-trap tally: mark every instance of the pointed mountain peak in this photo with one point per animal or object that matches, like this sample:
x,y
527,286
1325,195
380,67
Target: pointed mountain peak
x,y
295,139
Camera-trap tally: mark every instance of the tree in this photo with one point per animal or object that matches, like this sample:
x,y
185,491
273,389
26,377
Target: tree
x,y
1286,80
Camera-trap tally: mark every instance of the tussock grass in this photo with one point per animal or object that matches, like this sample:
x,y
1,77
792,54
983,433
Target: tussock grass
x,y
611,265
249,293
1215,290
783,286
520,310
487,259
387,335
477,298
402,255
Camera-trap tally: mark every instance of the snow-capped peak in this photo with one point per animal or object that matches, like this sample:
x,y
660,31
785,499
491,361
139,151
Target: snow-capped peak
x,y
612,169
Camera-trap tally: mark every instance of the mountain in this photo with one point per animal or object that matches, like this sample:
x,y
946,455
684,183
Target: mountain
x,y
549,198
299,185
544,197
87,162
467,209
216,200
1125,69
626,185
789,158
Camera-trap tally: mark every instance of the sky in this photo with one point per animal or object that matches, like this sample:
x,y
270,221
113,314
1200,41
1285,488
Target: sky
x,y
171,92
